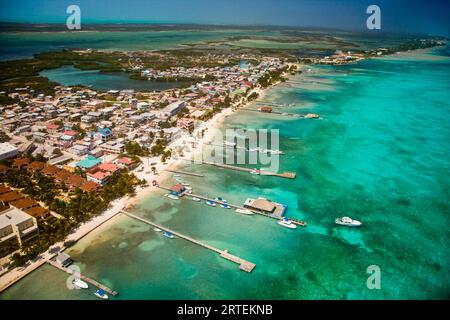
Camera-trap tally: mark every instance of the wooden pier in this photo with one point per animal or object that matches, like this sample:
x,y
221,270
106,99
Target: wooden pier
x,y
244,265
84,278
289,175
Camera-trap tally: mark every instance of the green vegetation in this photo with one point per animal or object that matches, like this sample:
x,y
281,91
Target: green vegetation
x,y
4,137
76,208
135,149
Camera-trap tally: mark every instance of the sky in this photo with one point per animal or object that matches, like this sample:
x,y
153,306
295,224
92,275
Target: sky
x,y
412,16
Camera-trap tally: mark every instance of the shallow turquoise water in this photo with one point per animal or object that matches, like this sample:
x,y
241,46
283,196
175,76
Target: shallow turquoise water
x,y
380,154
70,76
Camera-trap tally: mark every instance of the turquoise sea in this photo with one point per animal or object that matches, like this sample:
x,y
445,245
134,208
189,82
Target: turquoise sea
x,y
380,154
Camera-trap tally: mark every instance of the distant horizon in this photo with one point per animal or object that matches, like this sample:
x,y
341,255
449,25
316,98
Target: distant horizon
x,y
397,16
219,25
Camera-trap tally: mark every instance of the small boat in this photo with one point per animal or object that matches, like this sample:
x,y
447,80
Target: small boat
x,y
254,171
80,283
244,211
196,199
349,222
173,197
285,222
176,176
101,294
220,199
225,206
168,235
157,229
210,203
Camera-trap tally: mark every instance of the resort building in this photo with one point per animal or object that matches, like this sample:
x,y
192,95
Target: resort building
x,y
88,162
7,151
16,227
266,206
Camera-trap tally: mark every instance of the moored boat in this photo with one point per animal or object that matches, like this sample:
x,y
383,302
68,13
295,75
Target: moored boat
x,y
173,197
196,199
101,294
285,222
347,221
157,229
80,283
168,235
244,211
211,203
225,206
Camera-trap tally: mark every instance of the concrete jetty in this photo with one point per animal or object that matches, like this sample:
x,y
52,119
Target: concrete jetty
x,y
244,265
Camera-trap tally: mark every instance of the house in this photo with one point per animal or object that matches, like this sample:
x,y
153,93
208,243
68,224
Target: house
x,y
52,128
64,260
20,163
35,166
79,150
74,181
108,167
112,147
124,162
106,134
24,204
90,186
7,151
185,123
38,212
100,177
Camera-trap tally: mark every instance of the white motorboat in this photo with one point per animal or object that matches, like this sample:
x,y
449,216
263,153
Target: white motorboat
x,y
349,222
211,203
285,222
244,211
157,229
173,197
80,283
196,199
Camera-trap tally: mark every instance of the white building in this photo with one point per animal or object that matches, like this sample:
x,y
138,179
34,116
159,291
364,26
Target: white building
x,y
7,150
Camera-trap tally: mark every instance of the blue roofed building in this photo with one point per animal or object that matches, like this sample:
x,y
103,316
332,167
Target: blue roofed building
x,y
105,133
88,162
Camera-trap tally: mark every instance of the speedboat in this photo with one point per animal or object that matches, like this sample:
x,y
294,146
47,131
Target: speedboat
x,y
285,222
225,206
210,203
244,211
101,294
173,197
349,222
196,199
168,235
157,229
80,283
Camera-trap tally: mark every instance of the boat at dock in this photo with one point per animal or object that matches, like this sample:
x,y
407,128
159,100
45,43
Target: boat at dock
x,y
211,203
254,171
196,199
285,222
220,199
225,206
101,294
157,229
347,221
168,235
244,211
77,282
173,197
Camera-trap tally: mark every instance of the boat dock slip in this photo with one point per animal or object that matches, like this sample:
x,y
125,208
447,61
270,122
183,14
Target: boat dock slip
x,y
243,264
289,175
82,277
186,173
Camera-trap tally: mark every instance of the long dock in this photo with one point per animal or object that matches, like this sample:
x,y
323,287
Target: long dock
x,y
84,278
289,175
236,147
287,114
243,264
186,173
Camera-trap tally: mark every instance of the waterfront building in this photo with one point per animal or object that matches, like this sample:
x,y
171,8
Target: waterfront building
x,y
16,227
7,151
